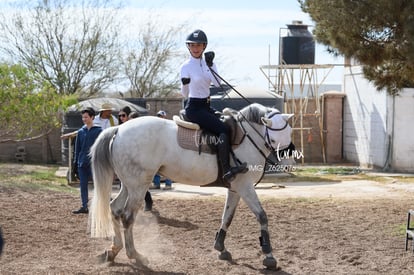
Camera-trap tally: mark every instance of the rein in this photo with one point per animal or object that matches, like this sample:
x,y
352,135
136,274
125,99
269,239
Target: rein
x,y
216,75
266,137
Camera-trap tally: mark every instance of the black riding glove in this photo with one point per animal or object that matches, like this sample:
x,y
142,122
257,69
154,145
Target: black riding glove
x,y
209,56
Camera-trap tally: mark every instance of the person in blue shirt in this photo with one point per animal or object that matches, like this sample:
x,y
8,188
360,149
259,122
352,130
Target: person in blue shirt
x,y
85,138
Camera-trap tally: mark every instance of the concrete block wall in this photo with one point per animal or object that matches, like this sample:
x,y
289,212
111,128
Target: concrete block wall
x,y
170,105
365,121
401,113
42,150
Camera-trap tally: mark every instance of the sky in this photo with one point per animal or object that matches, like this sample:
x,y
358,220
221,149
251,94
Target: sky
x,y
243,34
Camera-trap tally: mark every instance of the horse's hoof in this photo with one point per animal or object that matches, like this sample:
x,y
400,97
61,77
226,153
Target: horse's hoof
x,y
101,258
143,260
270,263
139,259
225,256
109,256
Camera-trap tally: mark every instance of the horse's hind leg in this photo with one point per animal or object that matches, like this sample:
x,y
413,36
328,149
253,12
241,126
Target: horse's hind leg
x,y
250,198
232,201
124,208
131,252
117,206
128,218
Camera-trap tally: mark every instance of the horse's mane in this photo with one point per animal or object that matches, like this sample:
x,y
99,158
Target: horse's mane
x,y
254,112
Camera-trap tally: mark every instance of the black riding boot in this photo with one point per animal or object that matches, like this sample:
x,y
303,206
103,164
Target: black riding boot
x,y
229,172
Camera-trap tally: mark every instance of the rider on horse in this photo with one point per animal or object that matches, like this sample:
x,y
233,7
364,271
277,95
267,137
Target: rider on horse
x,y
196,77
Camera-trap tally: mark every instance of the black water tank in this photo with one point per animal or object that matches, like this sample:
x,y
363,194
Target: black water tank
x,y
298,46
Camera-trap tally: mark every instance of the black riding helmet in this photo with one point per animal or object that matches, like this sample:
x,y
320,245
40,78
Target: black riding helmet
x,y
197,36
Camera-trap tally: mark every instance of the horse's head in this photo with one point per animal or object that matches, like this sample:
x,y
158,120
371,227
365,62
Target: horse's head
x,y
277,129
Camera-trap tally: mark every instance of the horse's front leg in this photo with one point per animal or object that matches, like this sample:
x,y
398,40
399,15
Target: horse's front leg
x,y
232,201
251,199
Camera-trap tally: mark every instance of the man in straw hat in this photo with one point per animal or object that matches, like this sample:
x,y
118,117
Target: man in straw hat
x,y
105,119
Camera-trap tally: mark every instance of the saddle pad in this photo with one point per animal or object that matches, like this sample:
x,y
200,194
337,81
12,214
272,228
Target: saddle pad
x,y
186,124
190,140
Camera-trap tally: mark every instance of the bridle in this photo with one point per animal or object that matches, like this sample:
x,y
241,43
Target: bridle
x,y
265,137
268,142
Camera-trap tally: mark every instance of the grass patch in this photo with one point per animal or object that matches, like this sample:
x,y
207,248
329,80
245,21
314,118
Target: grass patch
x,y
33,177
399,230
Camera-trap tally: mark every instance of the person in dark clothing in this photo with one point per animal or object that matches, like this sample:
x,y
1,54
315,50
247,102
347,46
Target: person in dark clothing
x,y
85,138
123,114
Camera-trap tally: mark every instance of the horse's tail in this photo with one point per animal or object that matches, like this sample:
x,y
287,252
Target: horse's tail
x,y
103,175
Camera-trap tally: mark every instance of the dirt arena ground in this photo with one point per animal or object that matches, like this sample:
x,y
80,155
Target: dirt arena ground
x,y
312,232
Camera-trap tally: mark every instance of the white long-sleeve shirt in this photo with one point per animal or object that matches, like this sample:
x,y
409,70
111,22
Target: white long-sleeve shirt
x,y
105,122
200,77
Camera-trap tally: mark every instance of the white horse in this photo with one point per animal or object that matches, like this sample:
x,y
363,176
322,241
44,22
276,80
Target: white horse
x,y
140,148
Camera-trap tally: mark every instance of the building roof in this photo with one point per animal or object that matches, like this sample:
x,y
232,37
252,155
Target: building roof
x,y
249,92
96,104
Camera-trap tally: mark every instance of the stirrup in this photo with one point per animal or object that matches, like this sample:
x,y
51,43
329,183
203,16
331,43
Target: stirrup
x,y
231,174
241,168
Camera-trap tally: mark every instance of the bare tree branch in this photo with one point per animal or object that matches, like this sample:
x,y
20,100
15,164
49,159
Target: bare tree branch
x,y
72,46
151,64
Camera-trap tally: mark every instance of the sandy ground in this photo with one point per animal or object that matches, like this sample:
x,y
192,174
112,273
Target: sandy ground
x,y
350,227
273,186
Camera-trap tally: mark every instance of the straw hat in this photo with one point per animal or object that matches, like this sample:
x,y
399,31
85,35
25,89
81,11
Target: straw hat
x,y
106,107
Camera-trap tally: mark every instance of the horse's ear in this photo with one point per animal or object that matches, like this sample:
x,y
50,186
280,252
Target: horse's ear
x,y
267,121
287,116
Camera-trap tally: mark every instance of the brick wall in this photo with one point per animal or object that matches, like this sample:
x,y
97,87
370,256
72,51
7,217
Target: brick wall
x,y
333,123
319,134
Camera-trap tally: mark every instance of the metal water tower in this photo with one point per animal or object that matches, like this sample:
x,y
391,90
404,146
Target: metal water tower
x,y
297,45
297,79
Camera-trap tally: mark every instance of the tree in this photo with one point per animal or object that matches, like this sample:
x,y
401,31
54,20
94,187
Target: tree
x,y
70,44
148,64
379,34
30,107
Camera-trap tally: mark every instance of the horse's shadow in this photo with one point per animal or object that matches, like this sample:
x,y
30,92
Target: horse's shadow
x,y
173,222
189,226
140,269
277,271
